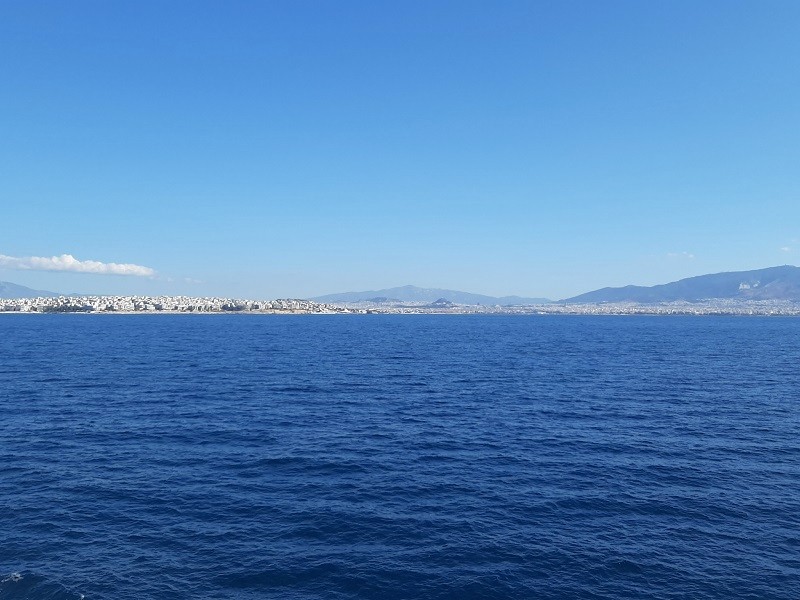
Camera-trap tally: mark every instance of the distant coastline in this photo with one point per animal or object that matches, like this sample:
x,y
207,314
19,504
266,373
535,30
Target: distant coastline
x,y
212,305
769,291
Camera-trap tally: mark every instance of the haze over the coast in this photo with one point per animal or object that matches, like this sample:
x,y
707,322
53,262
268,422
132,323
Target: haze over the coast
x,y
272,150
771,285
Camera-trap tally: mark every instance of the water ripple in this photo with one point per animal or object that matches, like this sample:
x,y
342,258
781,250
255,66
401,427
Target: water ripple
x,y
389,457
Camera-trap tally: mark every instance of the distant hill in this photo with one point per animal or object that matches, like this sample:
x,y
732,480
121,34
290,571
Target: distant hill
x,y
12,290
774,283
410,293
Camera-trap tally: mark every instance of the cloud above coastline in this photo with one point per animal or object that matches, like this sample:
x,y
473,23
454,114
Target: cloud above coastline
x,y
68,263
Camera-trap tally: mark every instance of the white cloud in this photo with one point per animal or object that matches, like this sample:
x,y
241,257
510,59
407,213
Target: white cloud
x,y
786,249
67,262
686,255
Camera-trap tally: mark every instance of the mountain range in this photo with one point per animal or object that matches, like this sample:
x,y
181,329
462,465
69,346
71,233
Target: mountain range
x,y
774,283
411,293
12,290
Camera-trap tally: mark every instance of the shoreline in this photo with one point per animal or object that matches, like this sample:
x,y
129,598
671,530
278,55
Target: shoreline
x,y
498,313
186,305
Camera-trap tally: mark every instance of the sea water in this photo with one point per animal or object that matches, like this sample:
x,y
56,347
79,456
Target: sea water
x,y
240,456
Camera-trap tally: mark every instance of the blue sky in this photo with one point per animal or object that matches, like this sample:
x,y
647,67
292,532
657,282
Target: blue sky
x,y
273,149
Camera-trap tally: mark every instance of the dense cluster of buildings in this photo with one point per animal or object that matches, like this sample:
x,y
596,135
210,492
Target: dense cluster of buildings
x,y
185,304
171,304
705,307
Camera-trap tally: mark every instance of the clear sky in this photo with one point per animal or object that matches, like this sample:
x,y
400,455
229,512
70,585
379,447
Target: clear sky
x,y
295,148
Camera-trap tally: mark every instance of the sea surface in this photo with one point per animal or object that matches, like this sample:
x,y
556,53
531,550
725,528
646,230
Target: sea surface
x,y
242,457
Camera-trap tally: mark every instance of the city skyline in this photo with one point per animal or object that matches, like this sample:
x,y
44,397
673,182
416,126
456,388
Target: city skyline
x,y
297,150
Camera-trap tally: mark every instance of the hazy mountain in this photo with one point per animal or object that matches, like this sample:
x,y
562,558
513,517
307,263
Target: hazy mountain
x,y
410,293
12,290
774,283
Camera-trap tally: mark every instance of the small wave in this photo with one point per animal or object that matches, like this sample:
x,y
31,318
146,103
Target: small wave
x,y
30,586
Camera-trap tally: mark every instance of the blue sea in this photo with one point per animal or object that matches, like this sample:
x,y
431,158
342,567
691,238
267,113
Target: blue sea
x,y
397,457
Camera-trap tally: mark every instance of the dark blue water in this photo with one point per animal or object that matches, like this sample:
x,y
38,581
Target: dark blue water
x,y
399,457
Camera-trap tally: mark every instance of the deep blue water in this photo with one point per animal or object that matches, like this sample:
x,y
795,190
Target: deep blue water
x,y
226,457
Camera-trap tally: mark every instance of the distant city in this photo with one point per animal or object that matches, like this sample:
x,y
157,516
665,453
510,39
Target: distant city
x,y
183,304
772,291
160,304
